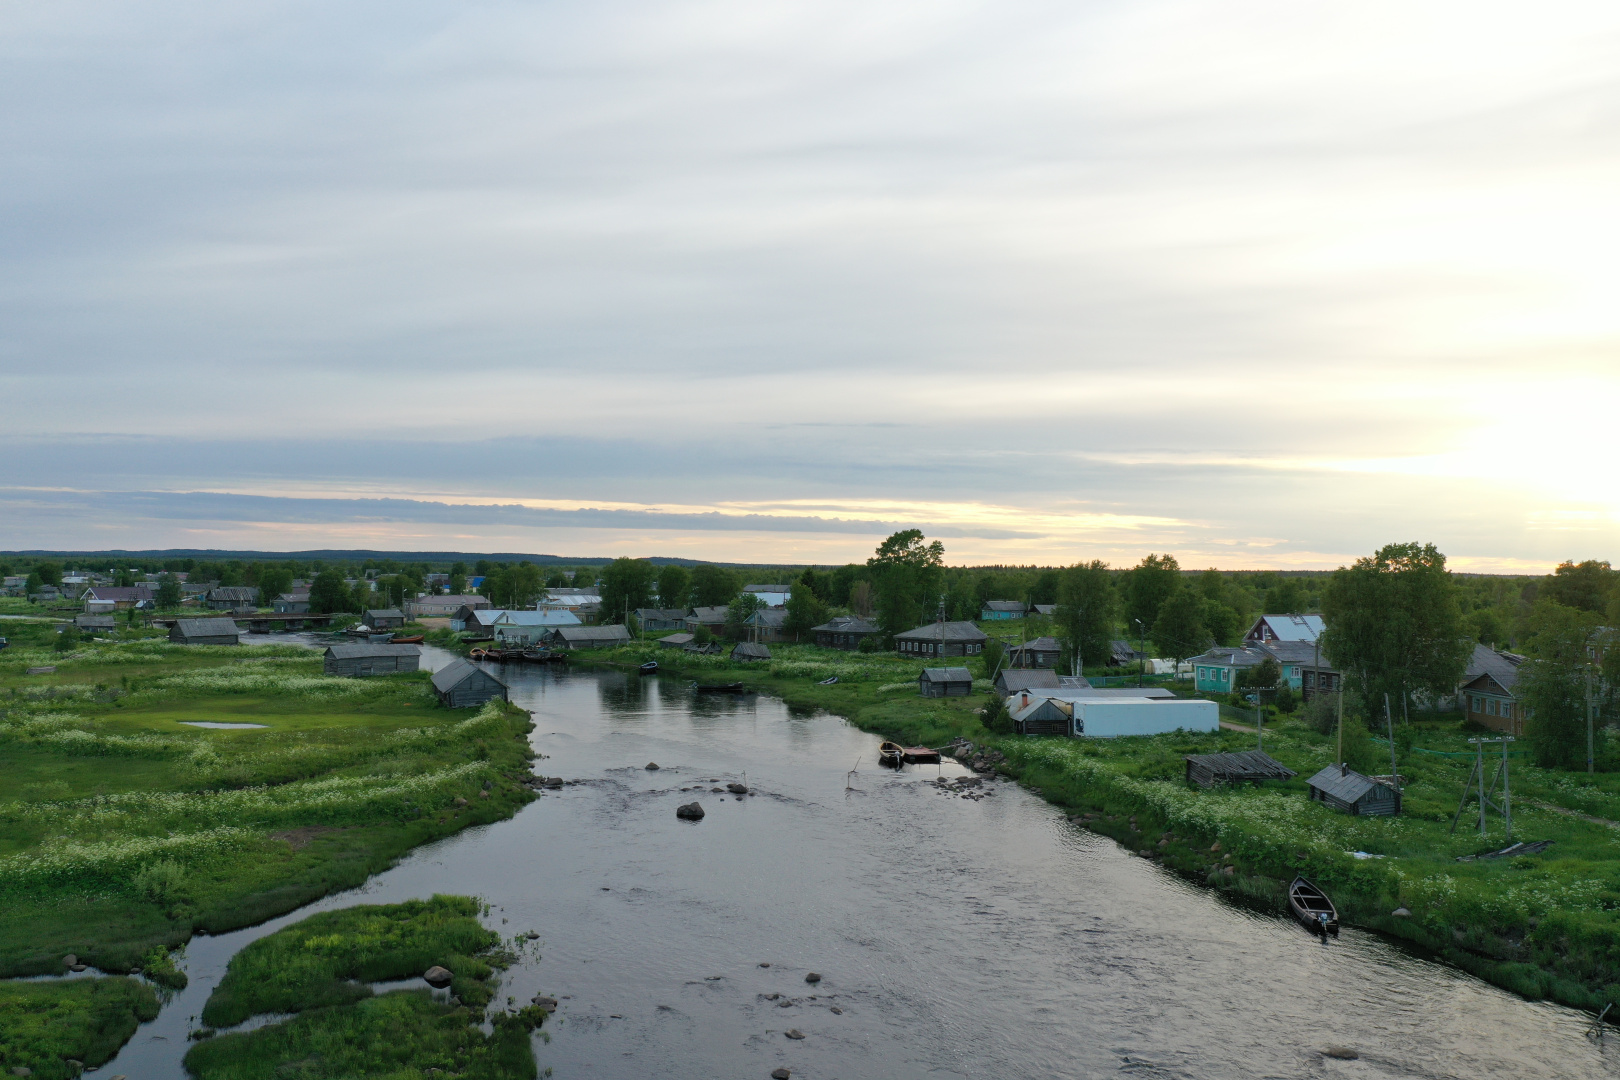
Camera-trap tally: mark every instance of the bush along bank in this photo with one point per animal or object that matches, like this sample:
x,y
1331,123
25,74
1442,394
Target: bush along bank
x,y
1545,926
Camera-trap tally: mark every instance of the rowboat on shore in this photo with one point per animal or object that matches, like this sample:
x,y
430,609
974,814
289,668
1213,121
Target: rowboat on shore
x,y
649,668
921,755
414,639
891,754
1311,906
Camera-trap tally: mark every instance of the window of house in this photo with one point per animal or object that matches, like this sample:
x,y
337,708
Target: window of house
x,y
1490,706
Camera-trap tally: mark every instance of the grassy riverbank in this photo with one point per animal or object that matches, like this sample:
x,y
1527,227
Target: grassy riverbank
x,y
319,968
125,829
1545,926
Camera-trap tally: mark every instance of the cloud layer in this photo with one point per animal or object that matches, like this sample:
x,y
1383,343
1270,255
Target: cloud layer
x,y
1263,284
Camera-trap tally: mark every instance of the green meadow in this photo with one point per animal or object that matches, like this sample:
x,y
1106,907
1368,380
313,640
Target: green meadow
x,y
124,830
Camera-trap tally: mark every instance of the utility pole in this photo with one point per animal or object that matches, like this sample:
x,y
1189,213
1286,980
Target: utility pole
x,y
1341,726
1394,773
1590,767
1141,655
1476,783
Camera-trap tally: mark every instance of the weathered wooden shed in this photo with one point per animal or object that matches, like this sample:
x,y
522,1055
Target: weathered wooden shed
x,y
360,660
750,650
1034,713
1347,791
588,637
945,682
464,685
205,632
675,641
1043,652
1245,766
383,618
95,624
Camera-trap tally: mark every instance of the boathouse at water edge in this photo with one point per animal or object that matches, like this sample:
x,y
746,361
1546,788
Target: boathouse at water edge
x,y
945,682
205,632
383,618
1348,792
464,685
361,660
588,637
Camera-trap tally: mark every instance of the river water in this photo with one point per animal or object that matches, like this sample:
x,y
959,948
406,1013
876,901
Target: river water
x,y
955,937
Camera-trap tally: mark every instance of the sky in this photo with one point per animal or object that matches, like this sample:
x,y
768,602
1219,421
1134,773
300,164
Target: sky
x,y
1260,284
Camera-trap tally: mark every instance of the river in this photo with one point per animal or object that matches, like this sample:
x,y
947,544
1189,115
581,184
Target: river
x,y
955,937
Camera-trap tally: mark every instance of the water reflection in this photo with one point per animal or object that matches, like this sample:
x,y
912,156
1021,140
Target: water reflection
x,y
955,936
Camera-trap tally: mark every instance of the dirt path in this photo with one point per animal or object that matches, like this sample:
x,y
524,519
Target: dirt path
x,y
1567,812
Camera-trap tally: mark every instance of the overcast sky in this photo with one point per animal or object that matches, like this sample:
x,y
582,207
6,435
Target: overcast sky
x,y
1260,284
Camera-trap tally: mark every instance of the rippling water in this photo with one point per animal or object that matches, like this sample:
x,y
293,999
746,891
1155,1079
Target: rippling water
x,y
986,938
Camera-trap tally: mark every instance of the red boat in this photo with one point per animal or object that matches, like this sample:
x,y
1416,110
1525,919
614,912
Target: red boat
x,y
414,639
920,755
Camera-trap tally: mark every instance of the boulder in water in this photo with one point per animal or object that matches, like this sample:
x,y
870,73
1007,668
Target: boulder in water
x,y
794,1033
812,977
736,788
438,977
690,811
780,1074
651,766
1343,1053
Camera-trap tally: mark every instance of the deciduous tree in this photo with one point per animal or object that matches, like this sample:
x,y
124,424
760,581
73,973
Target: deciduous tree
x,y
1086,609
627,584
1147,586
329,595
674,587
1179,631
713,586
908,572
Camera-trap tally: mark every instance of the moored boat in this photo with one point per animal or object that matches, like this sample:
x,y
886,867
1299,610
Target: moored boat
x,y
891,754
649,668
920,755
718,688
413,639
1311,906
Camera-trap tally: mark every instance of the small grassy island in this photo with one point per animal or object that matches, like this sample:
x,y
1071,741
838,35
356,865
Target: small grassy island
x,y
125,828
319,969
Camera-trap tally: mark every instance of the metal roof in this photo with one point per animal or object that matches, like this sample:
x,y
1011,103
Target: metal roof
x,y
1342,783
660,614
848,624
1003,605
1017,679
1502,667
750,650
571,634
1291,627
947,631
386,613
524,617
768,617
947,674
356,652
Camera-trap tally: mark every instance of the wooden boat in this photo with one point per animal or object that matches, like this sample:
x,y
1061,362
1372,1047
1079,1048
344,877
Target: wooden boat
x,y
1311,906
414,639
828,682
649,668
921,755
718,688
891,754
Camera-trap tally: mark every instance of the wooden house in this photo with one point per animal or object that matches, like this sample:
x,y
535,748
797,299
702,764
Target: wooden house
x,y
1043,652
443,607
766,624
105,599
942,639
712,617
292,603
1047,610
588,637
362,660
945,682
661,618
750,650
1348,792
1245,766
232,598
464,685
521,628
1034,713
845,632
95,624
205,632
1001,610
383,618
1010,681
1488,691
1121,654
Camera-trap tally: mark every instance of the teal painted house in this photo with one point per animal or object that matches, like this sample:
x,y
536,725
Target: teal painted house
x,y
1216,671
997,610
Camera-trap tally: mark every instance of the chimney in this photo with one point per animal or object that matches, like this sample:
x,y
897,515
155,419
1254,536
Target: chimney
x,y
1026,701
1343,768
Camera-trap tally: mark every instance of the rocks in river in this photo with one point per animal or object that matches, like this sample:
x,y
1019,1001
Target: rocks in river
x,y
554,782
70,959
781,1074
794,1033
718,790
547,1003
784,1003
736,788
79,967
772,997
437,976
651,766
690,811
1343,1053
765,965
1401,913
812,977
836,1010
